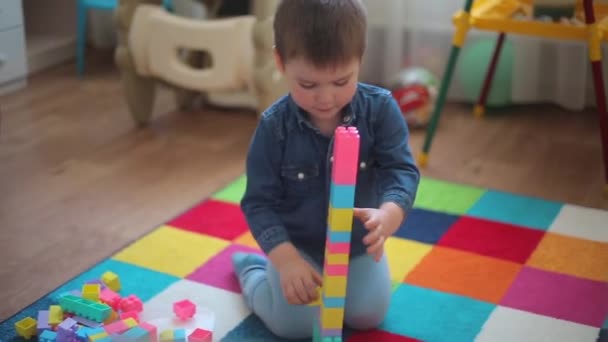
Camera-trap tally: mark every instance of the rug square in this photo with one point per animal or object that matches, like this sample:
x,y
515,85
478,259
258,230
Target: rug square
x,y
229,308
446,197
425,225
603,336
585,223
605,326
491,238
403,255
233,192
378,335
516,209
247,239
172,251
464,273
508,325
559,296
215,218
430,315
570,255
253,329
218,271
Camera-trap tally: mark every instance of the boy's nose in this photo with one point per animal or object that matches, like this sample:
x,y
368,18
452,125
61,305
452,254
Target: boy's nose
x,y
324,98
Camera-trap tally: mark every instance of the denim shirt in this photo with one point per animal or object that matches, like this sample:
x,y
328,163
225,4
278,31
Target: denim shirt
x,y
288,171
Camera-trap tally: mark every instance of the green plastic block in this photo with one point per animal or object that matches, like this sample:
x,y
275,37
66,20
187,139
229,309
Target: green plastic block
x,y
83,307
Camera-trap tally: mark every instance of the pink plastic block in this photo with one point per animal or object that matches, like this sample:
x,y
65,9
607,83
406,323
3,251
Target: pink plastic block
x,y
345,156
336,270
151,329
111,298
200,335
130,314
184,309
117,327
337,247
131,303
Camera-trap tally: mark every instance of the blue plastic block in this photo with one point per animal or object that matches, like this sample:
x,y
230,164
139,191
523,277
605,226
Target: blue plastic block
x,y
342,196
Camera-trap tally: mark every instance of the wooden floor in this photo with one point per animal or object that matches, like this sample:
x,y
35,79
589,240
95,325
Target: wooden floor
x,y
78,181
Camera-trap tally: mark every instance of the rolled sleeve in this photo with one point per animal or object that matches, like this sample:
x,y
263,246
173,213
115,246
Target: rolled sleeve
x,y
264,189
398,175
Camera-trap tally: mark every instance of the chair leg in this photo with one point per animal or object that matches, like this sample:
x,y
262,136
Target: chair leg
x,y
81,37
479,110
595,56
457,43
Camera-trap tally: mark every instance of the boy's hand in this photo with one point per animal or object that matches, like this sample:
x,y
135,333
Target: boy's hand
x,y
381,223
299,279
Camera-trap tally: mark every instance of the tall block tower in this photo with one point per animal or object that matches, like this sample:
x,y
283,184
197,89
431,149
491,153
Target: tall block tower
x,y
330,319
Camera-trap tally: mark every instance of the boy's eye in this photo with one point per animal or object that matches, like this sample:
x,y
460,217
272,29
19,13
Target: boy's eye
x,y
307,85
341,83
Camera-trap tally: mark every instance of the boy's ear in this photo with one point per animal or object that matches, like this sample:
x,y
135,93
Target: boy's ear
x,y
278,61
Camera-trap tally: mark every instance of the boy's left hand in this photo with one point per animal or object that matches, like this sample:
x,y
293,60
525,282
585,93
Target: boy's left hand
x,y
381,223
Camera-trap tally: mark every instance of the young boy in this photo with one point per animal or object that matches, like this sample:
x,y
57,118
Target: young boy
x,y
319,47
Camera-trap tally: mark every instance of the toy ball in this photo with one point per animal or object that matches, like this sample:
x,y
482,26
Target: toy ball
x,y
415,90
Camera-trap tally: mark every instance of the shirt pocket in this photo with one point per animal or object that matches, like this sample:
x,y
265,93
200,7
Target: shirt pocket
x,y
302,180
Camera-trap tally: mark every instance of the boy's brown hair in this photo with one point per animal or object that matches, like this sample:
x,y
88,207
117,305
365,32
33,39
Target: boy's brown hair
x,y
323,32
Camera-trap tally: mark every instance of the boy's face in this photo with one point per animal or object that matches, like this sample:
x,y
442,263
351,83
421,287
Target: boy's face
x,y
320,92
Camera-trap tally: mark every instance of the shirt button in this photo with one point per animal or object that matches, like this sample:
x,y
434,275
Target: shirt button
x,y
346,118
300,175
331,159
363,165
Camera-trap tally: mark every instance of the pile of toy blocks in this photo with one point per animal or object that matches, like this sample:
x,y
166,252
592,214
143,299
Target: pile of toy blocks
x,y
98,313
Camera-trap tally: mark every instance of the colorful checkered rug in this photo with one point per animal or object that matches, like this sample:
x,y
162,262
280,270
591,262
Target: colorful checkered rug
x,y
470,264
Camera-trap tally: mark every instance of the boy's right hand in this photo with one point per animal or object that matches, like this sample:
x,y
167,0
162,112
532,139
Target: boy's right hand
x,y
299,279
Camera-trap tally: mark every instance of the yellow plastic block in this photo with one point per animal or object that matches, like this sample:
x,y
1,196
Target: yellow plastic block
x,y
319,299
111,280
93,338
340,219
337,259
55,315
332,318
91,291
130,322
166,336
26,327
334,286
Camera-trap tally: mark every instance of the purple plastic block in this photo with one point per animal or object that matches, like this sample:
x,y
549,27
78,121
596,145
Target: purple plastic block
x,y
76,293
43,321
66,330
97,281
87,322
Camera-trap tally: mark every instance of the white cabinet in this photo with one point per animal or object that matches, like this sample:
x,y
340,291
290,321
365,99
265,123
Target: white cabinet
x,y
34,35
13,65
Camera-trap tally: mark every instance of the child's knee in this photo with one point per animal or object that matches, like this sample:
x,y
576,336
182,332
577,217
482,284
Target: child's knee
x,y
289,329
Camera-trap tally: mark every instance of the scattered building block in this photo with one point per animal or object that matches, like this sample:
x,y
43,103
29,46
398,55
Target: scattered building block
x,y
130,314
120,326
136,334
152,331
97,281
86,322
113,316
111,280
131,303
179,335
48,336
96,334
184,309
55,314
43,321
26,327
200,335
66,331
91,292
86,308
111,298
166,335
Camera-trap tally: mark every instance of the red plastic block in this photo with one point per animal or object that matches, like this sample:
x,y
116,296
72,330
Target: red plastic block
x,y
345,155
184,309
152,331
130,314
111,298
200,335
131,303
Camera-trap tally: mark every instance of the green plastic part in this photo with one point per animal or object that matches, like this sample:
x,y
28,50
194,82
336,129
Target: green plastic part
x,y
86,308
